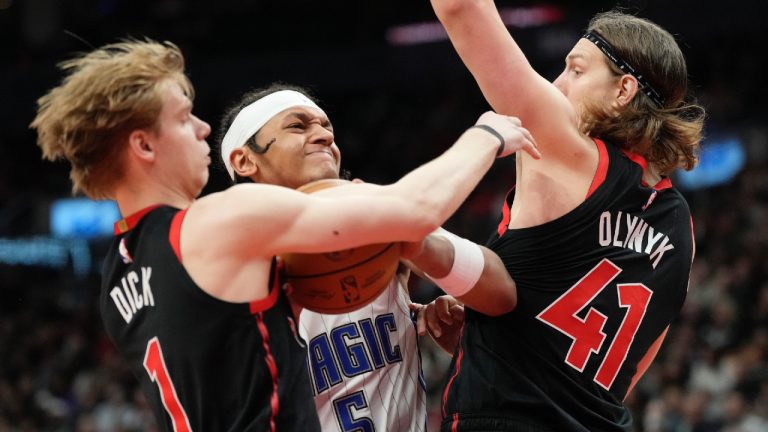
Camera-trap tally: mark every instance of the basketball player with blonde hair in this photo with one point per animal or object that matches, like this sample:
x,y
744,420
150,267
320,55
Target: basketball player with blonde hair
x,y
190,294
598,242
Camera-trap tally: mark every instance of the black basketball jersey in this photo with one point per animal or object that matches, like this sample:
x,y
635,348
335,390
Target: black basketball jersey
x,y
203,364
597,288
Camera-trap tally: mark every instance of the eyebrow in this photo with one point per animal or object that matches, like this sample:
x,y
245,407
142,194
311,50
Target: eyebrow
x,y
574,56
186,107
306,118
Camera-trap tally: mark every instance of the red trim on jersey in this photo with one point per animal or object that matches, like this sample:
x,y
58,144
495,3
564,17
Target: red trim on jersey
x,y
602,167
505,214
455,425
258,306
599,178
174,235
450,381
272,366
642,366
636,158
665,183
127,223
693,243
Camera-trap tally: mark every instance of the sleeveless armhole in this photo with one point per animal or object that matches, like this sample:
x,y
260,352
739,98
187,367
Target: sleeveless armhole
x,y
505,215
602,167
270,300
597,180
174,234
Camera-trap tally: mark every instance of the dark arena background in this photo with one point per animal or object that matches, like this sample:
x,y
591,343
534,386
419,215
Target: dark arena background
x,y
398,95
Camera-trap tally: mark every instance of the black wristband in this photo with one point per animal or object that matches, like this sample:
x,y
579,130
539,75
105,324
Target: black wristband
x,y
495,133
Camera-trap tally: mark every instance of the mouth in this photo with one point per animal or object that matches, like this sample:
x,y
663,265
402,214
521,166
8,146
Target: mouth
x,y
322,153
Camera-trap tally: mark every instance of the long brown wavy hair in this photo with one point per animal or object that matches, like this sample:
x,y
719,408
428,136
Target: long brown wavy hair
x,y
667,136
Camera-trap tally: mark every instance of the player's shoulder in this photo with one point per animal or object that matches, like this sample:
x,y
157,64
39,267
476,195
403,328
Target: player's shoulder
x,y
675,200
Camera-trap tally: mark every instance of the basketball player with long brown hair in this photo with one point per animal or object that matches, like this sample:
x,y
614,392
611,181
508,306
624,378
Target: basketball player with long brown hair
x,y
598,242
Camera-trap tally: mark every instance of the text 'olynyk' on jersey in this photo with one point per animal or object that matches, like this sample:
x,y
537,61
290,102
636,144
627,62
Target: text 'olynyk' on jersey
x,y
635,234
127,298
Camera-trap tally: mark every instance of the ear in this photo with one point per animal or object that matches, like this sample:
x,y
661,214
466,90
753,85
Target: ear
x,y
627,90
243,162
140,145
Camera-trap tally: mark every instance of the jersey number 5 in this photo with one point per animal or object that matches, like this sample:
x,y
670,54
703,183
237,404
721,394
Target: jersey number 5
x,y
158,373
587,333
347,421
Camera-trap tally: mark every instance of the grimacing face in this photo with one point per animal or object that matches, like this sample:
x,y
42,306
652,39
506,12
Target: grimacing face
x,y
302,148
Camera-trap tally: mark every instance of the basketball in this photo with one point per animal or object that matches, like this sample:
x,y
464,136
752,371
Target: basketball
x,y
341,281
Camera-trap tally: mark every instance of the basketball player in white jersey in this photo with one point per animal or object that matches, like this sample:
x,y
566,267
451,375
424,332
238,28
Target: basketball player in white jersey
x,y
365,365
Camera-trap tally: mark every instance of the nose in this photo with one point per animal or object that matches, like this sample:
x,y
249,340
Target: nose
x,y
204,129
321,135
559,82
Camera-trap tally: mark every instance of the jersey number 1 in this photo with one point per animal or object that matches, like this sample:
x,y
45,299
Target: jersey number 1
x,y
158,373
587,333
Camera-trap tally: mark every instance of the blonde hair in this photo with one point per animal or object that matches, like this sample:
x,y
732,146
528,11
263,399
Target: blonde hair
x,y
107,94
667,136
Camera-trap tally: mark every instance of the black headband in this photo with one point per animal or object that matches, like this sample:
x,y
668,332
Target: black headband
x,y
607,49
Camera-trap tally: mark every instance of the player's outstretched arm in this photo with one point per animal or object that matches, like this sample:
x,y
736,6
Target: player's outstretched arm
x,y
473,274
273,220
506,78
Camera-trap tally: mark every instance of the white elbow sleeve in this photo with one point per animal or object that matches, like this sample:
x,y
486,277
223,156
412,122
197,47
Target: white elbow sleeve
x,y
468,263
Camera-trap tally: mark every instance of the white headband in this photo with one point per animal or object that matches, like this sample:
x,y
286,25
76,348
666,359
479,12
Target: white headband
x,y
251,118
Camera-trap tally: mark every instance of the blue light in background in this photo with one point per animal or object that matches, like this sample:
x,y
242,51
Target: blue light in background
x,y
47,252
83,218
719,162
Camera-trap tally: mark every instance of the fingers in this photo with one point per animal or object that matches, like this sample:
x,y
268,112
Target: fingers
x,y
433,324
426,319
421,324
516,137
529,146
457,312
522,139
442,309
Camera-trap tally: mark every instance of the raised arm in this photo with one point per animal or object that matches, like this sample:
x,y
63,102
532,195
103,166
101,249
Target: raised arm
x,y
273,220
505,76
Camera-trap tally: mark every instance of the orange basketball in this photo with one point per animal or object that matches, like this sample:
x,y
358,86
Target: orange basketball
x,y
340,281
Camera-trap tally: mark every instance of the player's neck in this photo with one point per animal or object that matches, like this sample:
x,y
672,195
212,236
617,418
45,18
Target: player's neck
x,y
132,198
651,175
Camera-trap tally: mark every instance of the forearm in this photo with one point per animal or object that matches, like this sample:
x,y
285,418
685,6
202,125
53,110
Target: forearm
x,y
441,186
495,293
498,64
479,281
436,257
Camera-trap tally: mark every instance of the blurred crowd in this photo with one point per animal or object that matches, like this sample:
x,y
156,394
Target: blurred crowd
x,y
59,372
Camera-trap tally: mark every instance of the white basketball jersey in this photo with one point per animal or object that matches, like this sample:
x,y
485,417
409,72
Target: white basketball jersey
x,y
365,366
